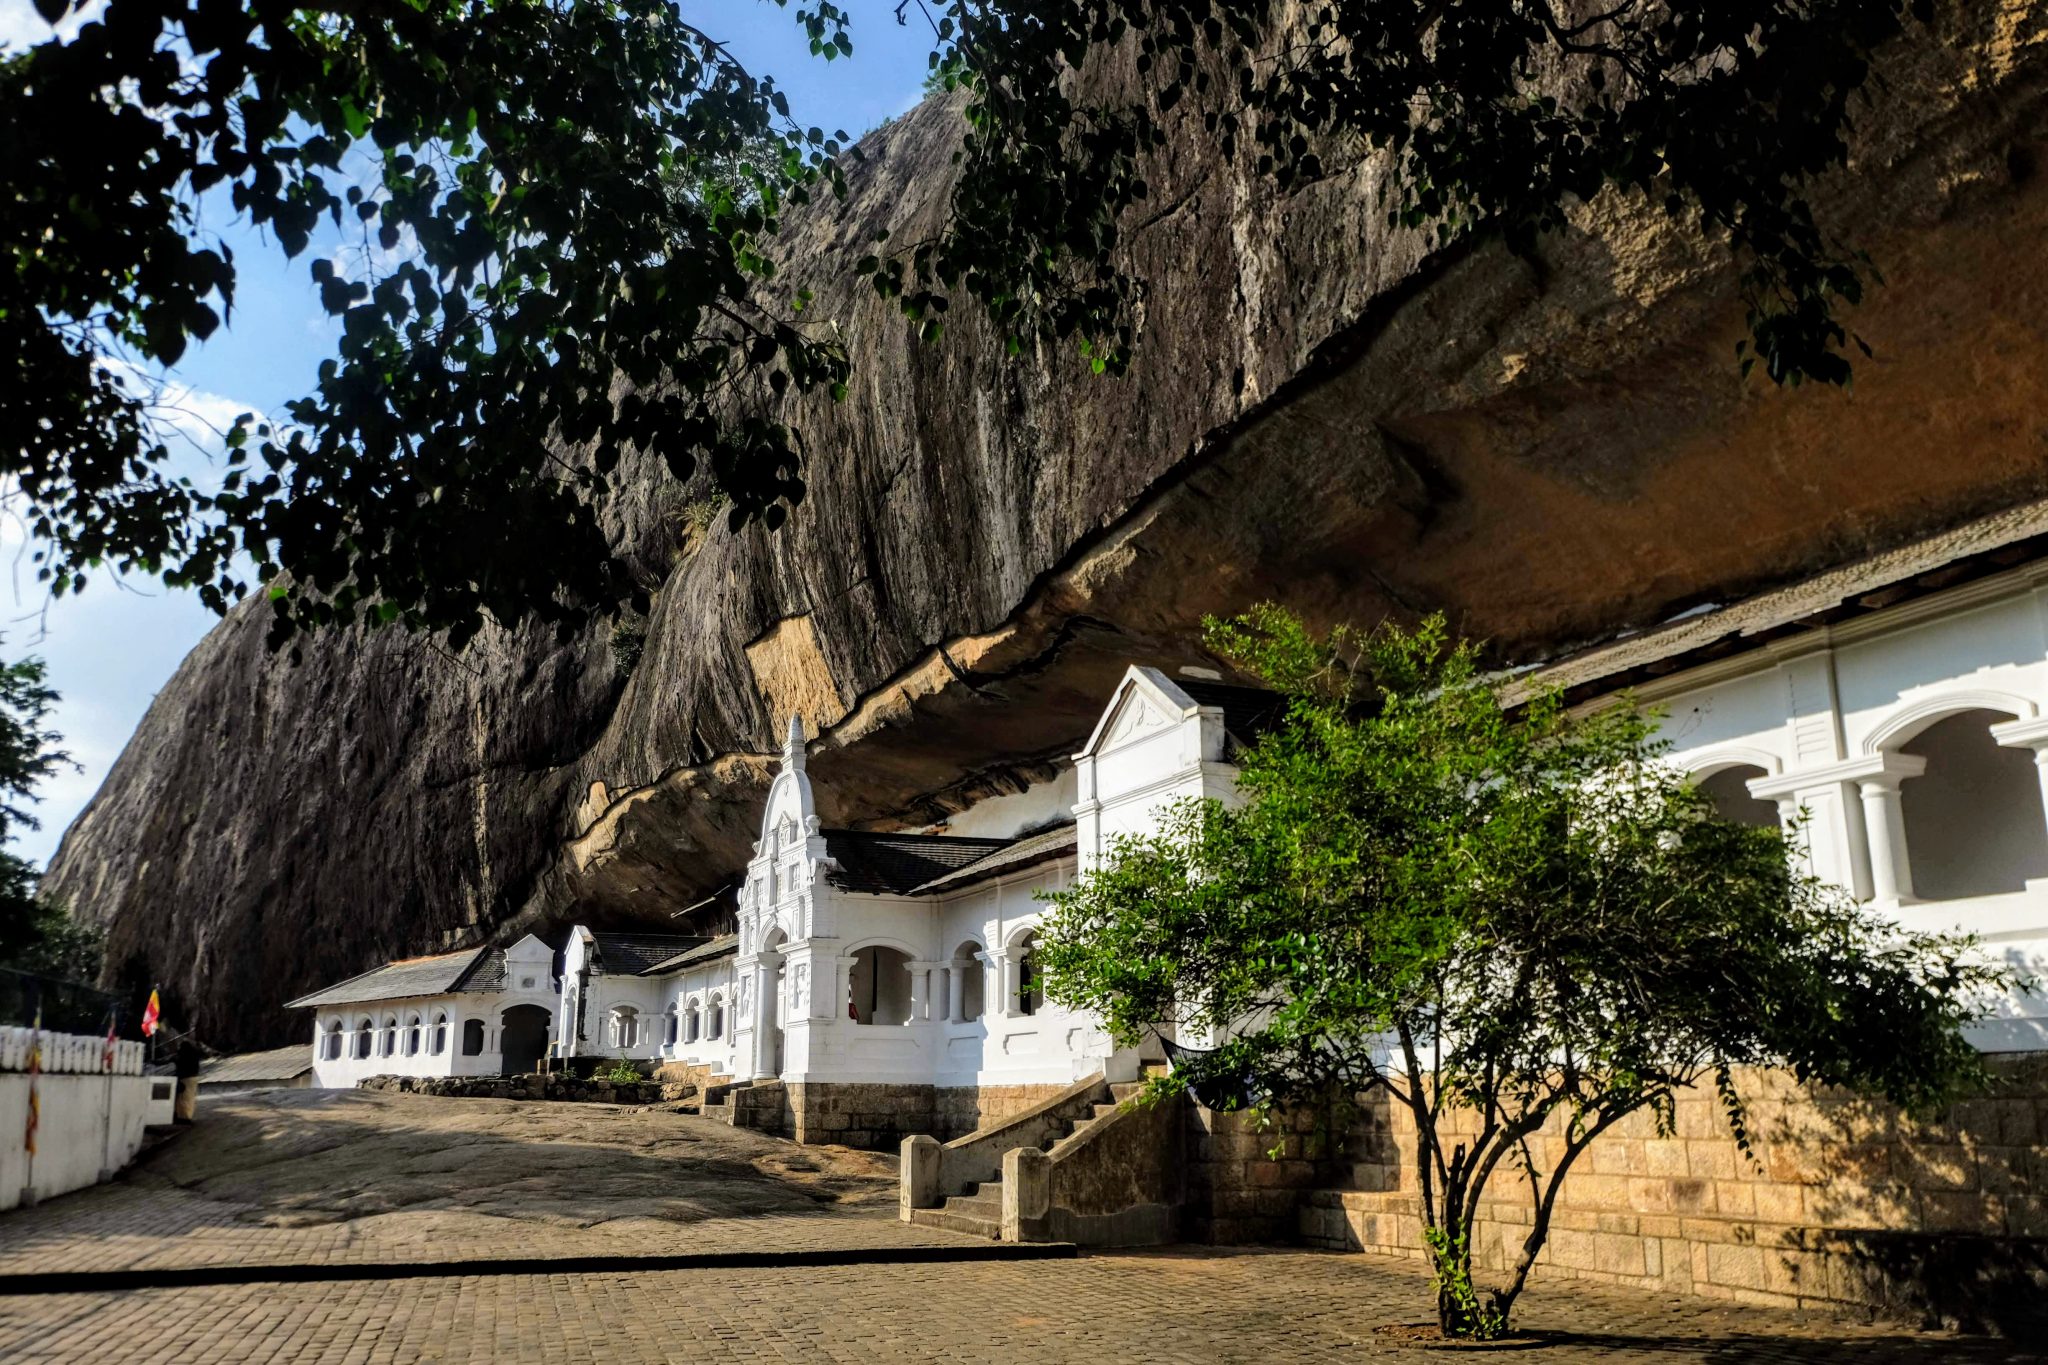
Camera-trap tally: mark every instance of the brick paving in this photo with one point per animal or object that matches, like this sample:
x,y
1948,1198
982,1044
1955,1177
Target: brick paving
x,y
1131,1306
200,1207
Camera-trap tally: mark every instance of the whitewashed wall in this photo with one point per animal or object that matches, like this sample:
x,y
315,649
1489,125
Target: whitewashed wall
x,y
1907,737
90,1121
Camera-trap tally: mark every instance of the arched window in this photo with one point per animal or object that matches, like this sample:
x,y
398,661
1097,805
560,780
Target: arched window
x,y
472,1037
364,1028
1030,986
412,1035
330,1041
880,986
668,1025
437,1040
968,970
1973,820
625,1026
387,1041
693,1021
1728,789
716,1028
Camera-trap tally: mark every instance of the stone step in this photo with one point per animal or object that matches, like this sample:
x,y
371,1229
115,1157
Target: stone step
x,y
718,1113
1124,1090
946,1220
987,1204
1103,1111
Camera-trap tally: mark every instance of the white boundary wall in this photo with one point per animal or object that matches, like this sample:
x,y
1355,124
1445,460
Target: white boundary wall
x,y
90,1123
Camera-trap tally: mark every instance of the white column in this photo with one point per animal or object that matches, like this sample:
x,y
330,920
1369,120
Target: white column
x,y
2028,734
1891,878
920,974
956,993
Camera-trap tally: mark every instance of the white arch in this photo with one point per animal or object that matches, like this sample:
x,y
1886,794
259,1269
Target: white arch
x,y
1909,720
1720,757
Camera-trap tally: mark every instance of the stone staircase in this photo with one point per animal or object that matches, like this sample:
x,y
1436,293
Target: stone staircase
x,y
978,1210
715,1101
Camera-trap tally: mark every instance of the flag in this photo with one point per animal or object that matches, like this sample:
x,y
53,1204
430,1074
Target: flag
x,y
35,1069
107,1052
149,1015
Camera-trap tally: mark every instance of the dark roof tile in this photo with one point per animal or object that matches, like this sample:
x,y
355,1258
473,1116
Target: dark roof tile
x,y
898,864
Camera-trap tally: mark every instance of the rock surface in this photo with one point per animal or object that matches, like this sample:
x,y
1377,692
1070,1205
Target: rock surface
x,y
1549,449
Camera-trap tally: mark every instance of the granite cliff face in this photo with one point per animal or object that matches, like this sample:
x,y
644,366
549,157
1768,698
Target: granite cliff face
x,y
1549,449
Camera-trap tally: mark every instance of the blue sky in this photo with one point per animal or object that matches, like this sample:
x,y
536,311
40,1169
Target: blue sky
x,y
110,649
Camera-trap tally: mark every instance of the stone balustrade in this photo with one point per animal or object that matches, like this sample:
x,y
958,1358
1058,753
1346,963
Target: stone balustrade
x,y
73,1054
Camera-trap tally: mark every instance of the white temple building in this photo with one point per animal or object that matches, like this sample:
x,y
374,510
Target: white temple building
x,y
1900,703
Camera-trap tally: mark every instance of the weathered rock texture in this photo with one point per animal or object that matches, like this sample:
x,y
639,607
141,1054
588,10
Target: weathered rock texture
x,y
1548,449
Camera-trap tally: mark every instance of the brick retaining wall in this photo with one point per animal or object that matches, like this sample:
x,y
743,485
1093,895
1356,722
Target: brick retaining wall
x,y
1845,1202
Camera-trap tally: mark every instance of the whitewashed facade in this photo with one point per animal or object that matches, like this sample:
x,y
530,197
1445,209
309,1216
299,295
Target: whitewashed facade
x,y
1913,738
480,1012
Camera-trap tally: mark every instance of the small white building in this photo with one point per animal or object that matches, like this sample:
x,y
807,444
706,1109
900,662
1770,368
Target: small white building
x,y
648,997
478,1012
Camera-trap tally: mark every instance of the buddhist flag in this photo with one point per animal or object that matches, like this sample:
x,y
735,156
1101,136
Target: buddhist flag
x,y
149,1015
35,1069
107,1052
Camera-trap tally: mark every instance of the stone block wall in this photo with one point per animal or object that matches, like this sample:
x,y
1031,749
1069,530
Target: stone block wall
x,y
1244,1184
1840,1202
877,1117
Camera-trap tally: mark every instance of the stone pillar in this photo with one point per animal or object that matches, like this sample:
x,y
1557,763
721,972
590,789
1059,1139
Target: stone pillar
x,y
956,993
920,997
765,1017
1027,1195
1891,878
917,1175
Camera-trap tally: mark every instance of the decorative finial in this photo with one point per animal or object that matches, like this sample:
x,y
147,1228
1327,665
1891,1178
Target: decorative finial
x,y
793,743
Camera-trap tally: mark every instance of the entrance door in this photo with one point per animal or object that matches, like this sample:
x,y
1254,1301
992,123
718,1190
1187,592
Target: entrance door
x,y
525,1038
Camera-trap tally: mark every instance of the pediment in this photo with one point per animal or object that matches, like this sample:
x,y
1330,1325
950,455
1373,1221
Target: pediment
x,y
1146,703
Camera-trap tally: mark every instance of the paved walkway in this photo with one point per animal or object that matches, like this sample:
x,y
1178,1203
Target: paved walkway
x,y
261,1183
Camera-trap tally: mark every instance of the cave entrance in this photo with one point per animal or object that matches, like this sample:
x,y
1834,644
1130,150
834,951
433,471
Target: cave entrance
x,y
524,1038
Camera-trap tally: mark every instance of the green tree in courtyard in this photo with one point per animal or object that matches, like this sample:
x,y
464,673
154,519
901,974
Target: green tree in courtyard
x,y
35,936
1517,923
526,298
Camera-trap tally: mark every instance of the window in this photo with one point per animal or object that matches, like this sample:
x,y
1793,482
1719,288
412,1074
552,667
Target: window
x,y
717,1025
668,1026
880,986
693,1024
1973,820
437,1041
1030,986
625,1026
472,1037
966,970
1728,789
387,1040
412,1036
363,1030
330,1042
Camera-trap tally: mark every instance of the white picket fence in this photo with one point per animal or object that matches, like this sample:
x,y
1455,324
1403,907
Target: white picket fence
x,y
69,1054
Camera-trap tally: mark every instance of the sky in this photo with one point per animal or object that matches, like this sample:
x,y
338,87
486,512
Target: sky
x,y
110,649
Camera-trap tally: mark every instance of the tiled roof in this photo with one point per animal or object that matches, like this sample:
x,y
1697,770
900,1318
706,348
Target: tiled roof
x,y
898,864
1012,857
1974,550
704,952
487,973
278,1064
437,975
630,954
1248,712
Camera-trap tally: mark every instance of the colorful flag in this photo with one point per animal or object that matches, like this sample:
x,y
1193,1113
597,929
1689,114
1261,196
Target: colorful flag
x,y
149,1015
107,1052
35,1069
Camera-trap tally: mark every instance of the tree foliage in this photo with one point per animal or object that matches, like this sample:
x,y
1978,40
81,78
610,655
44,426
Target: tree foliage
x,y
529,297
35,936
1514,921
